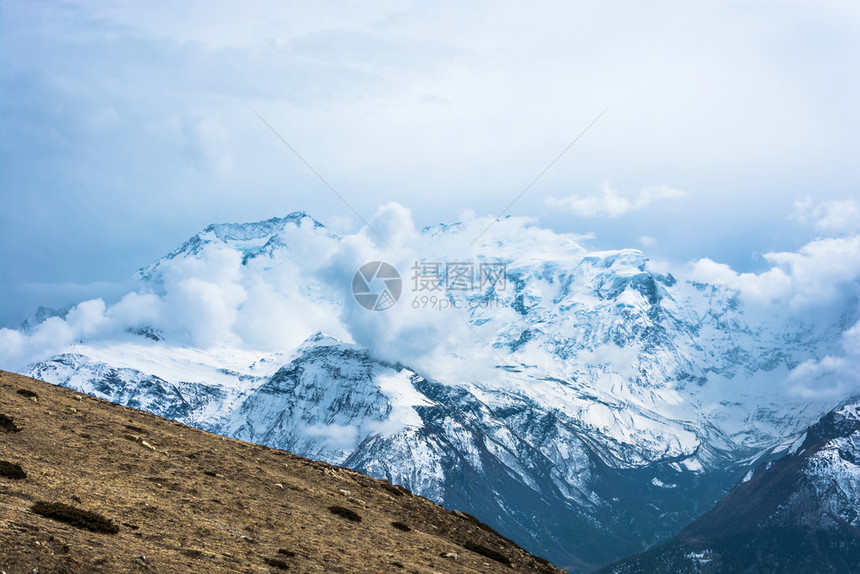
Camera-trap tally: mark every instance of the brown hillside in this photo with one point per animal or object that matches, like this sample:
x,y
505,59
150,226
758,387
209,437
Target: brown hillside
x,y
89,486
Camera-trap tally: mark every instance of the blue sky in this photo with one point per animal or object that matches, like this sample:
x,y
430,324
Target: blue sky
x,y
730,128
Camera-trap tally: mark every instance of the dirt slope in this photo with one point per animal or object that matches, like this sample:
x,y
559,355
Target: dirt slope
x,y
171,498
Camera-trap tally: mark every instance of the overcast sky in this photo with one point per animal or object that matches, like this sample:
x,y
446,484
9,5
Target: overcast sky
x,y
730,128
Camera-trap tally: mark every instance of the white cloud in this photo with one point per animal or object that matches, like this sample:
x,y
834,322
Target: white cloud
x,y
394,103
84,321
834,376
219,298
137,310
210,300
87,318
766,287
821,269
394,224
335,436
611,203
647,241
818,274
831,218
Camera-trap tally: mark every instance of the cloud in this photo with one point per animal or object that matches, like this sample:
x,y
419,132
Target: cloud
x,y
221,297
765,287
831,218
834,376
83,321
212,299
334,436
610,203
821,272
647,241
111,163
393,222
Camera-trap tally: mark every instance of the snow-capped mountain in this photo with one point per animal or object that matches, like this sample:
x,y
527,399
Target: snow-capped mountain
x,y
529,469
587,404
800,513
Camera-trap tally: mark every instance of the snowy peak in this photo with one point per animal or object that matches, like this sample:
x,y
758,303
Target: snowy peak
x,y
251,239
631,260
320,339
40,315
249,231
839,423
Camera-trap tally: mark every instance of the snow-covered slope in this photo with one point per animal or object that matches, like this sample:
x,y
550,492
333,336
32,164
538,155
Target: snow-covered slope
x,y
587,404
798,514
529,469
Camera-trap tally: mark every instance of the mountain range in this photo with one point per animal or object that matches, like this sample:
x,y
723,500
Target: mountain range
x,y
587,404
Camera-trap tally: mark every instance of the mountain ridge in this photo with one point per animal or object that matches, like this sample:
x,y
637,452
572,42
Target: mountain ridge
x,y
800,513
175,498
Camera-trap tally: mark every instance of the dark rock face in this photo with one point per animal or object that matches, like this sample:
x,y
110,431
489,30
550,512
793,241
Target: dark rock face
x,y
799,514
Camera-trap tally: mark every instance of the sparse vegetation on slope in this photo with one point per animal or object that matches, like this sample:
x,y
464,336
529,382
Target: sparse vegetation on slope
x,y
113,489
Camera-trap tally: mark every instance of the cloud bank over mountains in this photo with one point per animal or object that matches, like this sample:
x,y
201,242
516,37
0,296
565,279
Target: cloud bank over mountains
x,y
124,126
222,298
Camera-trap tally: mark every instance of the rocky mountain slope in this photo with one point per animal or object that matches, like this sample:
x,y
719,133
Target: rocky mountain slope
x,y
528,470
586,404
89,486
798,514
